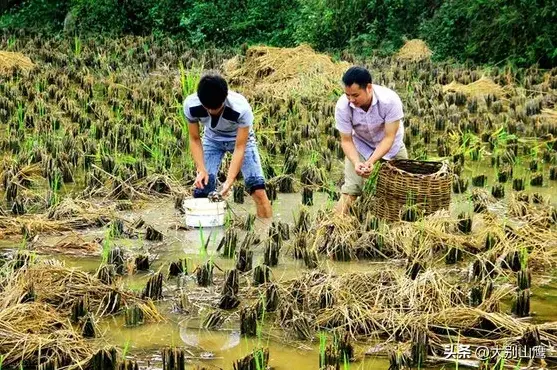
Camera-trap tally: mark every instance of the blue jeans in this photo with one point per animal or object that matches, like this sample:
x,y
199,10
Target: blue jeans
x,y
213,152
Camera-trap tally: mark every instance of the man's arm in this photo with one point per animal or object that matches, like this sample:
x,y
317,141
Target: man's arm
x,y
343,119
197,153
352,154
237,158
349,148
385,144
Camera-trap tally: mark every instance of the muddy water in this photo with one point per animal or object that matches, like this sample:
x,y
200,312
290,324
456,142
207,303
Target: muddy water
x,y
212,348
218,349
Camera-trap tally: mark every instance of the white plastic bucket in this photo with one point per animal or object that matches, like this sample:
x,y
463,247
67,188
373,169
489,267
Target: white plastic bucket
x,y
200,212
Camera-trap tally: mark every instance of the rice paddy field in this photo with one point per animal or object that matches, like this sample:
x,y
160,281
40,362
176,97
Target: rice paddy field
x,y
99,271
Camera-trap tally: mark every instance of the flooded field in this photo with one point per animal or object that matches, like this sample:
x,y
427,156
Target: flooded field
x,y
218,348
98,269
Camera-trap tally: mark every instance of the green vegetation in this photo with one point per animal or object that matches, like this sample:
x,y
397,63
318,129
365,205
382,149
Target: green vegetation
x,y
521,33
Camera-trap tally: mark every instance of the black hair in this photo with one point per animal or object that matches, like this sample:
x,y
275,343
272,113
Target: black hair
x,y
212,90
358,75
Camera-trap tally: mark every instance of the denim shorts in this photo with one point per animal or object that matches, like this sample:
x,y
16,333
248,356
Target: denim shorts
x,y
213,153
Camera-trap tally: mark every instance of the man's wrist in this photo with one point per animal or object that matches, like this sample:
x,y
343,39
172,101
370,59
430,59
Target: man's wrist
x,y
355,161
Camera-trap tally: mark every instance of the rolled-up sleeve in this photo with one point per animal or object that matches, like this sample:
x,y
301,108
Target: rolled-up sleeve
x,y
395,111
187,105
246,118
343,116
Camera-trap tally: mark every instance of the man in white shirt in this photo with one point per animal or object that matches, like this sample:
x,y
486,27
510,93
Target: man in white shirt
x,y
369,119
228,127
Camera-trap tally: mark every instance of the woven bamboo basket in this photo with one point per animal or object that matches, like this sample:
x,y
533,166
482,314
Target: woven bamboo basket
x,y
404,183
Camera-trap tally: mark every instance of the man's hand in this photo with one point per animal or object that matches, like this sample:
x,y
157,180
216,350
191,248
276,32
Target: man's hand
x,y
369,169
225,188
361,168
201,179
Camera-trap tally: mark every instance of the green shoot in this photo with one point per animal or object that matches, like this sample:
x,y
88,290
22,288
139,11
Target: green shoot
x,y
258,355
371,183
11,46
259,329
77,46
502,363
113,230
228,218
189,79
126,349
523,258
106,249
345,362
32,257
313,158
322,345
42,108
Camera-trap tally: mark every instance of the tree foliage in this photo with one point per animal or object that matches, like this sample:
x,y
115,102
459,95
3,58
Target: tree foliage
x,y
517,31
523,32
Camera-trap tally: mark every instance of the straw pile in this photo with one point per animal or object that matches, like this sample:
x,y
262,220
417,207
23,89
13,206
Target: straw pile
x,y
9,60
70,208
382,302
285,72
549,115
36,302
414,51
429,239
10,226
391,300
482,87
413,292
388,305
68,215
32,333
59,286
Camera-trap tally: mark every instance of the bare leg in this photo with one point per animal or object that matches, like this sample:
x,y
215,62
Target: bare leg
x,y
262,203
343,205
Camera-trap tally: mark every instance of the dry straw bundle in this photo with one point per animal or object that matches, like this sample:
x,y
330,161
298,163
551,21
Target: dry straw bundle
x,y
384,302
549,115
70,214
414,51
59,286
429,238
285,72
35,333
9,60
36,303
72,244
482,87
389,305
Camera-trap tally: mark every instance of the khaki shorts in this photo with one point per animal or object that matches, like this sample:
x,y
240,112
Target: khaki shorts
x,y
353,183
